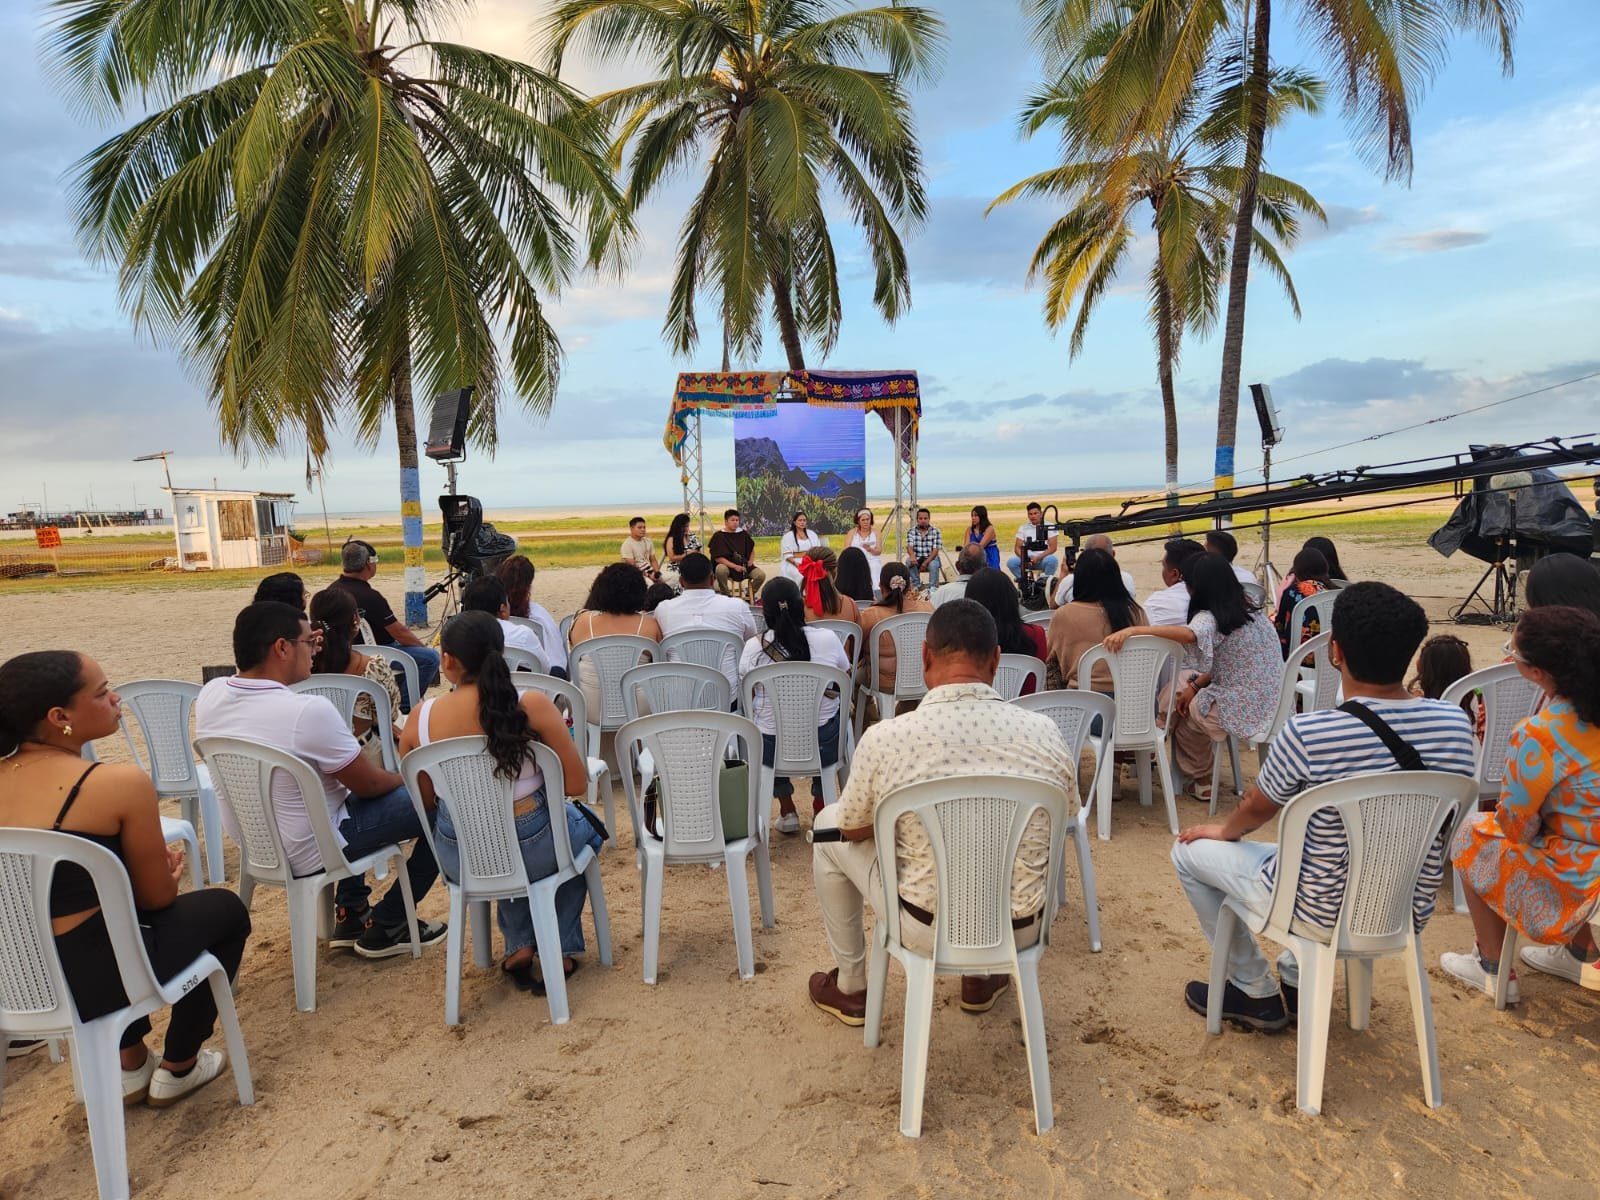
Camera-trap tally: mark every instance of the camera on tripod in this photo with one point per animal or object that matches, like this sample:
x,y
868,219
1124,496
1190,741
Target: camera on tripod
x,y
472,546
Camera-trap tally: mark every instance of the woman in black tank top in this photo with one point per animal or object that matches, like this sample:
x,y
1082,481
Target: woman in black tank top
x,y
53,703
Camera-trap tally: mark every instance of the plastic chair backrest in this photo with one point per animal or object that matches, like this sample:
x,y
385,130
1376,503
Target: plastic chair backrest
x,y
1074,712
1042,617
1321,604
565,625
35,998
795,691
688,749
611,655
1508,700
674,687
848,633
715,648
398,660
1324,685
1014,672
241,771
342,691
975,825
162,708
908,631
565,695
759,616
530,623
367,636
1136,672
520,659
1391,818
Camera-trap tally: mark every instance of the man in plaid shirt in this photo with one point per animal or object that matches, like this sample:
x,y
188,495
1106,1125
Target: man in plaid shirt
x,y
923,544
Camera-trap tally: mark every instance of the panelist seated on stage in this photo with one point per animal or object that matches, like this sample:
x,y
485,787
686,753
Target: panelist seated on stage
x,y
733,551
1042,561
636,549
923,545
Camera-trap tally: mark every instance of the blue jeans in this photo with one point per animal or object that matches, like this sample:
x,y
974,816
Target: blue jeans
x,y
514,917
374,822
427,660
933,573
1047,566
828,742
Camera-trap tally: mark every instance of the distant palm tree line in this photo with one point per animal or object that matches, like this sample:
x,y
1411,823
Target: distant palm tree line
x,y
327,208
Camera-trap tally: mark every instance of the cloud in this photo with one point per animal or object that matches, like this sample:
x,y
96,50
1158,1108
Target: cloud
x,y
1343,383
959,244
45,260
1437,241
1341,219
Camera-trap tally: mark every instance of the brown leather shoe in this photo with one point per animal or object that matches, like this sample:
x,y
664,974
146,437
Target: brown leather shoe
x,y
849,1007
979,992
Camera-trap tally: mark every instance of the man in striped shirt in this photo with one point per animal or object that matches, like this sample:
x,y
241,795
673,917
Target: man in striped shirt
x,y
1376,631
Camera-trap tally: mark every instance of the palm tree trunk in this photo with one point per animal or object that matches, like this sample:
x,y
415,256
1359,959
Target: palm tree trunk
x,y
405,432
1166,351
1243,231
788,327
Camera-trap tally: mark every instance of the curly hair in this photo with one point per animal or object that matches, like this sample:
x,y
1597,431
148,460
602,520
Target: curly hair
x,y
619,589
1443,659
516,576
30,686
333,612
474,640
1564,642
1378,629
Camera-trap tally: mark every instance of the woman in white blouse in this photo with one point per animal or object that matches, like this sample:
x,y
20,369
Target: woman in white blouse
x,y
865,537
793,548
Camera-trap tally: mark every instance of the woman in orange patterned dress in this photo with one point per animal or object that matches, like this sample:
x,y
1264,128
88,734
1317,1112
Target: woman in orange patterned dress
x,y
1535,860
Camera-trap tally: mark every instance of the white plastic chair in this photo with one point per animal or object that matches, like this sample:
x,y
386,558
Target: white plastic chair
x,y
162,708
1074,712
1508,700
480,803
174,830
688,749
402,662
36,1001
1041,617
1136,673
975,824
759,616
565,626
1014,672
907,631
1320,605
716,648
796,691
365,627
530,623
343,691
243,772
674,687
848,633
1391,819
611,655
519,658
565,694
1508,955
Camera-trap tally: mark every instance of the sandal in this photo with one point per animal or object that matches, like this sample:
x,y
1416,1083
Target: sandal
x,y
567,972
522,975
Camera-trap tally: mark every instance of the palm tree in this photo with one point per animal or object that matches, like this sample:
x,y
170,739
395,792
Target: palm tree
x,y
1189,176
1384,52
774,97
326,210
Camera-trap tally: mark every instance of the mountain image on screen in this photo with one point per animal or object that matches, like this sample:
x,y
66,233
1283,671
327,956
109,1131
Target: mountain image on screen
x,y
771,490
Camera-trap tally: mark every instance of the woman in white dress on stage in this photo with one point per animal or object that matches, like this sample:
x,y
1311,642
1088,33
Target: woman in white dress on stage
x,y
865,537
793,548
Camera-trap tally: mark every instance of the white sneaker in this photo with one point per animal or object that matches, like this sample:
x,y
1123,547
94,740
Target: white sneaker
x,y
1469,970
1558,961
136,1083
167,1088
788,823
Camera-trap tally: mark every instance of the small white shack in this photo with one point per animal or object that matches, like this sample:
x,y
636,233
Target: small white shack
x,y
219,529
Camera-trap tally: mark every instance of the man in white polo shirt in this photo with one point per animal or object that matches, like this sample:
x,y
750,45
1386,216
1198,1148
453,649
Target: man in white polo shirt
x,y
1169,605
701,607
369,807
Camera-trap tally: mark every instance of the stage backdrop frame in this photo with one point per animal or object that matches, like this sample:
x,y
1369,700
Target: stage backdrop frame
x,y
894,395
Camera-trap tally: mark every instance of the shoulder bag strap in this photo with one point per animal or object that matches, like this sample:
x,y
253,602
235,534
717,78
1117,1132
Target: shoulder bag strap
x,y
1405,754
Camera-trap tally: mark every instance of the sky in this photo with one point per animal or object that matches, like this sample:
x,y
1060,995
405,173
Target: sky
x,y
1477,283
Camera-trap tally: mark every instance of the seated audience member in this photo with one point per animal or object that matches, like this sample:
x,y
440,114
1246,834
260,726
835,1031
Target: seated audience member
x,y
700,607
788,639
733,553
1330,555
336,625
854,577
1169,605
997,594
615,605
1308,576
285,587
1042,561
959,729
1062,593
968,562
486,595
924,544
1535,860
360,563
819,586
1564,579
1231,671
484,703
369,807
894,585
1100,605
1220,541
638,551
658,594
1376,629
52,704
516,576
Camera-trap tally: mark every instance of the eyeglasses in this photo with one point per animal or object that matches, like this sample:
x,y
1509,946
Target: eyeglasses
x,y
1511,652
314,640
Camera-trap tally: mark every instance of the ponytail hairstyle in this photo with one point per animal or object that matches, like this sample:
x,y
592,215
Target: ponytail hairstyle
x,y
474,640
333,614
893,582
30,686
516,576
785,614
1564,643
827,593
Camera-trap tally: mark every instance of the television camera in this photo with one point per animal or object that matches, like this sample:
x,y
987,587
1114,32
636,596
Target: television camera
x,y
472,546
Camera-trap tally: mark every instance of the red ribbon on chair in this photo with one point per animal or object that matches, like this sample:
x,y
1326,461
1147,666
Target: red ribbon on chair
x,y
813,572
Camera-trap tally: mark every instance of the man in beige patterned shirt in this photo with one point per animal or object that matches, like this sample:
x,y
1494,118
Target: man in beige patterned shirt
x,y
962,727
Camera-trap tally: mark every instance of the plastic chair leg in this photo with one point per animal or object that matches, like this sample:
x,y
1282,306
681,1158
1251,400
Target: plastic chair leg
x,y
211,830
1358,992
1216,777
597,781
1164,766
739,901
302,904
411,904
247,884
94,1056
1107,772
1033,1040
1508,960
1141,769
1226,920
1317,968
598,911
763,857
917,1034
547,940
1460,895
452,957
1422,1017
877,984
653,871
1091,891
189,807
228,1018
482,922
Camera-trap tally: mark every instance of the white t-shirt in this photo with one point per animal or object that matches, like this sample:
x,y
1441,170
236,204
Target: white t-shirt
x,y
872,546
1064,589
520,637
1026,533
306,726
826,648
1242,575
956,589
554,648
704,608
1169,606
793,545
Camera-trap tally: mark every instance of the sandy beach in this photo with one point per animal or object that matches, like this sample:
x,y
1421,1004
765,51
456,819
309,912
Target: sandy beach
x,y
709,1086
